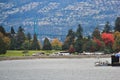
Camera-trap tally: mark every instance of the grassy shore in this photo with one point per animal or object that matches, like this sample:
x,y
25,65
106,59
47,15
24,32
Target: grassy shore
x,y
18,55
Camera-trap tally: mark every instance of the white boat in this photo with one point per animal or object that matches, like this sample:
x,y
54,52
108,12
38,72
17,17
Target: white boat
x,y
100,63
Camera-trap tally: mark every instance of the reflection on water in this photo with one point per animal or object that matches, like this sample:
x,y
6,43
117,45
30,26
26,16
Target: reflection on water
x,y
57,69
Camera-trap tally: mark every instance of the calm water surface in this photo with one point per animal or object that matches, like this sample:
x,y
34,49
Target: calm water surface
x,y
57,69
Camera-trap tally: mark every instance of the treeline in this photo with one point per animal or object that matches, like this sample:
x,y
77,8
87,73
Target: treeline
x,y
21,41
107,41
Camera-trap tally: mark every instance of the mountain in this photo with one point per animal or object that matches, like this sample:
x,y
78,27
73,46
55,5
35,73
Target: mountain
x,y
53,18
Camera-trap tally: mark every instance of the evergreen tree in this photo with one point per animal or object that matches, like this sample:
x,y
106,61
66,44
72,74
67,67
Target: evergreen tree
x,y
107,28
29,39
79,32
47,45
90,46
66,45
12,31
96,34
35,44
2,30
117,24
20,37
13,44
79,43
25,45
69,40
71,34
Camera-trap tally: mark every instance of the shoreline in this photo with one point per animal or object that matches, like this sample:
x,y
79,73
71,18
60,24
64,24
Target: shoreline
x,y
54,57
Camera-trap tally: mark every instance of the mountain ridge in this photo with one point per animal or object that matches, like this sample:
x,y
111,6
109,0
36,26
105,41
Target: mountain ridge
x,y
58,16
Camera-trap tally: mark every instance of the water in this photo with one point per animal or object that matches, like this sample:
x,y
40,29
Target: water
x,y
57,69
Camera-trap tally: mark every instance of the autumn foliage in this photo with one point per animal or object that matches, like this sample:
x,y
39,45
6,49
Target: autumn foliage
x,y
98,42
56,44
4,43
71,49
108,38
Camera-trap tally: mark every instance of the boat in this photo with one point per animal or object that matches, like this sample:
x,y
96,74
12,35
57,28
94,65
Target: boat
x,y
100,63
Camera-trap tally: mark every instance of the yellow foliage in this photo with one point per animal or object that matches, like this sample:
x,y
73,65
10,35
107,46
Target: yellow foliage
x,y
5,39
1,35
116,45
56,42
117,35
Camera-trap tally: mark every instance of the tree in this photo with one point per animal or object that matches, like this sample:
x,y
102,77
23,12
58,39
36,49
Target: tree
x,y
7,41
46,44
117,24
79,43
25,45
71,36
20,37
71,49
2,30
13,44
96,34
79,32
29,39
35,43
56,44
100,45
70,39
90,46
12,31
3,48
108,39
13,41
107,28
66,45
116,45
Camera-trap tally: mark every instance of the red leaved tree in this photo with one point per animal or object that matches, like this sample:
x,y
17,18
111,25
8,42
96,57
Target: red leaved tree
x,y
71,49
98,42
108,38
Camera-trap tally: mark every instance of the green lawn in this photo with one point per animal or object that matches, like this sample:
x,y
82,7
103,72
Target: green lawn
x,y
30,52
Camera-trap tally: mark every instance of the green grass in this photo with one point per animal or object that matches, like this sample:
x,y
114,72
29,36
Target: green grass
x,y
11,53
